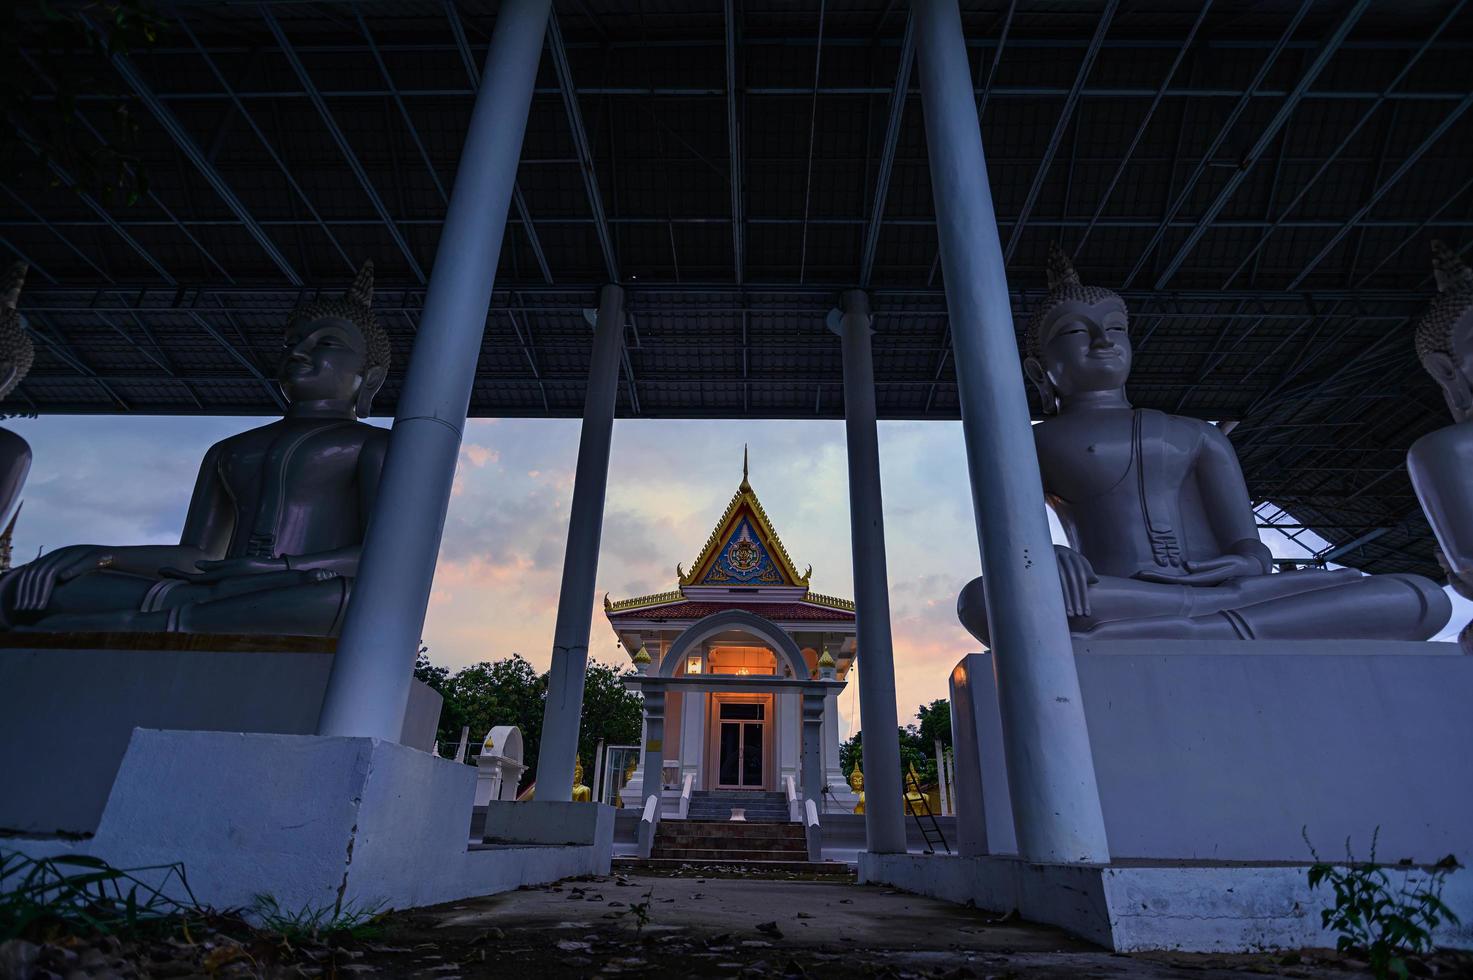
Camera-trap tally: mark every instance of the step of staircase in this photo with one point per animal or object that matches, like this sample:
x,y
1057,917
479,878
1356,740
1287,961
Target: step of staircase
x,y
756,807
702,841
725,868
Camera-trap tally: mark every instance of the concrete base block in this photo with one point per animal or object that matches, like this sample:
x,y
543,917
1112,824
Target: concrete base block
x,y
574,824
1135,907
310,821
67,713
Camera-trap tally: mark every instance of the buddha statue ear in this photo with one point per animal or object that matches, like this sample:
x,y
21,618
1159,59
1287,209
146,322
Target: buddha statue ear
x,y
1455,387
1047,396
373,380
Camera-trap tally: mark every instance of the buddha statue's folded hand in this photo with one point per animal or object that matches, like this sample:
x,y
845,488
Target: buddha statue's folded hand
x,y
35,581
1212,571
1076,575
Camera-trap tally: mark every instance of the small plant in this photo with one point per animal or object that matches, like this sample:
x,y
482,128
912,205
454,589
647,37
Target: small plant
x,y
1369,914
79,894
641,912
314,922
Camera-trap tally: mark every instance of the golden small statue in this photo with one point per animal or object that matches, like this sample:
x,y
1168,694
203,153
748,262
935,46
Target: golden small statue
x,y
581,793
914,798
856,783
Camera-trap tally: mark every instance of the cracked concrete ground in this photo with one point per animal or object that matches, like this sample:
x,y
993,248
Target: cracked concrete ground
x,y
709,926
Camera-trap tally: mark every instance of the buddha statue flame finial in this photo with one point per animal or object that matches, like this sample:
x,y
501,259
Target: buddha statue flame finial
x,y
16,349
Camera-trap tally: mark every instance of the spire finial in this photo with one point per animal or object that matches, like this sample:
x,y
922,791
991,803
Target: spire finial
x,y
745,485
1449,269
1060,269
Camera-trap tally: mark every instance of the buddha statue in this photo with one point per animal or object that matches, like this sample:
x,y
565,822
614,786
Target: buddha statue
x,y
275,525
16,354
581,793
628,775
1441,462
1163,542
856,783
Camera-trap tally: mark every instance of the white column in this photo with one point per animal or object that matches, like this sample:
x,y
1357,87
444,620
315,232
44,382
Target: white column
x,y
564,708
884,821
653,749
1056,804
833,773
692,734
943,788
788,731
369,686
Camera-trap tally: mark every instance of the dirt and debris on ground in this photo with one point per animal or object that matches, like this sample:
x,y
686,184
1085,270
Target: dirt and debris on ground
x,y
662,926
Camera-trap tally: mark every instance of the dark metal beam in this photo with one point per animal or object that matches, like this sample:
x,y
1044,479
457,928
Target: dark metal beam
x,y
734,144
1380,192
336,132
887,152
196,156
1219,139
1343,25
581,145
1057,137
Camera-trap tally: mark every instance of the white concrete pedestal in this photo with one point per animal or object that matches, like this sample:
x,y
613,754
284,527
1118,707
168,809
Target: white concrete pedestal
x,y
1193,907
311,821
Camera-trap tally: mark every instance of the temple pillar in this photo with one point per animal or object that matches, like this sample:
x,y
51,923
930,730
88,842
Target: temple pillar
x,y
813,747
884,821
692,734
653,749
564,708
788,730
369,687
833,772
1051,776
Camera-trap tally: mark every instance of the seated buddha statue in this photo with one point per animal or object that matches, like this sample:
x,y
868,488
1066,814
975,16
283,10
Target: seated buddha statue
x,y
16,354
275,525
581,793
1441,462
1163,542
856,783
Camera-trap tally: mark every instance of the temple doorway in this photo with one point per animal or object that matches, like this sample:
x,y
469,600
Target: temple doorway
x,y
741,743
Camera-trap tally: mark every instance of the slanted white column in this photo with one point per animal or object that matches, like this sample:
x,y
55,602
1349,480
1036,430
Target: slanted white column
x,y
369,687
564,708
1056,805
884,822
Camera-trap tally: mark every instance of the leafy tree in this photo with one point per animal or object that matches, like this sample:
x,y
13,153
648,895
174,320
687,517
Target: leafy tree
x,y
917,742
511,692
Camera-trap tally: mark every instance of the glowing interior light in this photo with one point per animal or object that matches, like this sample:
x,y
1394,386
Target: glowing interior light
x,y
693,665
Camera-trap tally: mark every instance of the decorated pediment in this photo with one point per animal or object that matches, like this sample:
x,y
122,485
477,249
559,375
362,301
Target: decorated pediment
x,y
744,549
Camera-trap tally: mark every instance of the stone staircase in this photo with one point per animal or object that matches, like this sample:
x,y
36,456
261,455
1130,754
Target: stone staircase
x,y
757,807
726,841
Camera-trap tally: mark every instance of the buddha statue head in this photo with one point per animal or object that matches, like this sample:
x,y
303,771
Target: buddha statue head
x,y
1445,332
336,354
1077,338
577,770
856,779
16,349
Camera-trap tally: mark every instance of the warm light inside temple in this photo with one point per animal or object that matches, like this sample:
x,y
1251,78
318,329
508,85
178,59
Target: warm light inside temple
x,y
693,665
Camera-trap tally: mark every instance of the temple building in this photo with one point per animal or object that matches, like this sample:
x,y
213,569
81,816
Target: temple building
x,y
736,633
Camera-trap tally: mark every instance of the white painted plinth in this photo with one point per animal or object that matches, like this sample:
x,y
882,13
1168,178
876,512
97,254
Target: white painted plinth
x,y
1228,751
310,821
1131,908
550,822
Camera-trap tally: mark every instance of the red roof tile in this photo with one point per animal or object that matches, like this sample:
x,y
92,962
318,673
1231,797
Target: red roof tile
x,y
786,612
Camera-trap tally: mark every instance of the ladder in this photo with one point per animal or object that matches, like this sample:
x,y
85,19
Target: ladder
x,y
930,834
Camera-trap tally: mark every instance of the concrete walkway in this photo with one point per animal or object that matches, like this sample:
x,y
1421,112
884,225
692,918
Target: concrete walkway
x,y
709,926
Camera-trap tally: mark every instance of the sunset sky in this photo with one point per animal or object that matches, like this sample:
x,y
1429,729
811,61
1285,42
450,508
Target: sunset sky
x,y
115,480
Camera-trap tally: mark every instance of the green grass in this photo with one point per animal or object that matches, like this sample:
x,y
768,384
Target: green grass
x,y
86,895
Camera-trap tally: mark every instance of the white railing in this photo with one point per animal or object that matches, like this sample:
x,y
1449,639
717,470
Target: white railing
x,y
647,822
685,791
811,831
794,803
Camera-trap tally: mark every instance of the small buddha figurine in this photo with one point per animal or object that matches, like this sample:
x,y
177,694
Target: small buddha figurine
x,y
1441,462
581,793
856,783
275,526
628,775
16,354
915,800
1162,537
